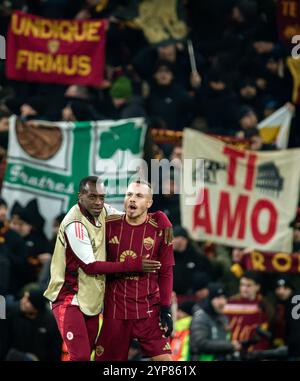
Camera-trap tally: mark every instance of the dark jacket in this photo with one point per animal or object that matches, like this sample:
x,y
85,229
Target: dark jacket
x,y
133,108
188,264
4,271
16,255
208,334
170,106
38,336
219,108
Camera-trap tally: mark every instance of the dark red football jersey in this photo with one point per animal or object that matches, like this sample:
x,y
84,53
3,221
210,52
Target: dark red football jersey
x,y
137,295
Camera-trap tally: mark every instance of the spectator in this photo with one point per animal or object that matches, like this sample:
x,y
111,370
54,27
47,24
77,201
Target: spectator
x,y
172,53
218,104
209,334
77,110
4,127
32,328
256,141
125,104
167,199
28,223
248,310
247,118
189,262
181,336
13,252
33,108
168,103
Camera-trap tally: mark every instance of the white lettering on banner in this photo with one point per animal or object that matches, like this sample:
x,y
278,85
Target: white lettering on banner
x,y
18,175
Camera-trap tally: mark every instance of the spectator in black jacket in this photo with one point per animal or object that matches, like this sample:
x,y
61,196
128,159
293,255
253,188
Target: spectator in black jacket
x,y
29,223
169,104
209,333
32,330
13,256
189,262
218,104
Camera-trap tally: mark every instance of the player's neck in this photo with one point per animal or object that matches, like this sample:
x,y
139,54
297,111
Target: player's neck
x,y
137,220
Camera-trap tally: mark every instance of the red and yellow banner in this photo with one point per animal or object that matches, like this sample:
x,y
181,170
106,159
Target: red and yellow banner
x,y
272,262
56,51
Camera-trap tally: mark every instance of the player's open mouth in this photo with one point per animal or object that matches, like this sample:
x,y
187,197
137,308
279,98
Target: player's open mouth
x,y
132,207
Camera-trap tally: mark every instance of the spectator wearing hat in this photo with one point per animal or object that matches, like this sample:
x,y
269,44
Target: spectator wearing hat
x,y
29,224
247,118
13,255
32,329
286,327
210,337
176,54
217,103
168,103
190,262
125,104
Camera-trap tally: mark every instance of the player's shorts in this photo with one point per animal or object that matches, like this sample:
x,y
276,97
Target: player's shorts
x,y
116,336
78,331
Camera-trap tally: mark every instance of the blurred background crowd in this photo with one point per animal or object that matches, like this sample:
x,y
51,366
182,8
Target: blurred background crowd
x,y
240,77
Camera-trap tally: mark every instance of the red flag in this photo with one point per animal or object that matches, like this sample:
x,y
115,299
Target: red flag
x,y
56,51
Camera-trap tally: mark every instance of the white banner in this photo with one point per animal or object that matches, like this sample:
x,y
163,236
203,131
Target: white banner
x,y
249,198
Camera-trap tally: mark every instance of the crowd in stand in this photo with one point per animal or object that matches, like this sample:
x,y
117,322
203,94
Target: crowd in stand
x,y
241,77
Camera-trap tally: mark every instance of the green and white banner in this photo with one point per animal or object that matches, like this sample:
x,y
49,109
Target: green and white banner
x,y
47,161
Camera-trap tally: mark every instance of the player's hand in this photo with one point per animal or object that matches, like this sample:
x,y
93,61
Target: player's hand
x,y
166,321
150,266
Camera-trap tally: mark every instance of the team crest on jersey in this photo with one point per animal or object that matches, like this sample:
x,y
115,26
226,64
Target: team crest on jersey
x,y
99,350
148,243
127,253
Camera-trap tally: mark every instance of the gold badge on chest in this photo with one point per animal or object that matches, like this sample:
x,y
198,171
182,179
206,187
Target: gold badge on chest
x,y
148,243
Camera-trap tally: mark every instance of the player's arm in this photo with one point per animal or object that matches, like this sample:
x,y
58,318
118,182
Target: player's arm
x,y
78,239
165,280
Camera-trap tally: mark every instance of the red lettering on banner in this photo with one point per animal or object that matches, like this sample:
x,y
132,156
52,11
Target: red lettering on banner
x,y
233,155
232,219
204,220
259,236
250,171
